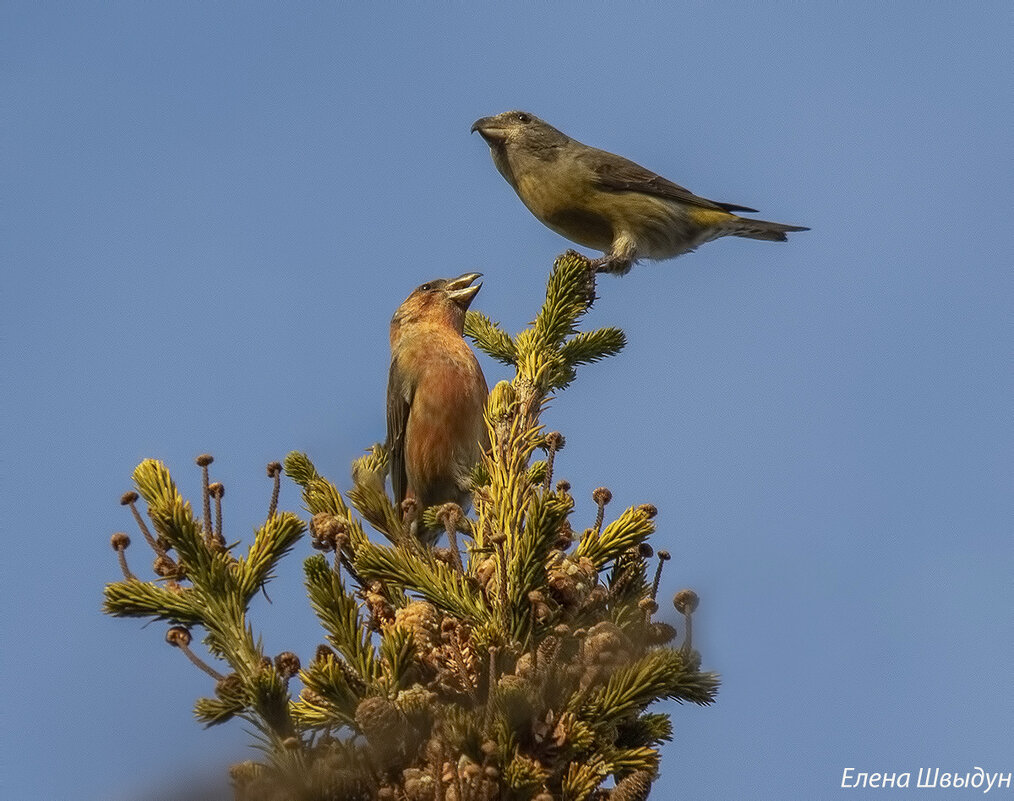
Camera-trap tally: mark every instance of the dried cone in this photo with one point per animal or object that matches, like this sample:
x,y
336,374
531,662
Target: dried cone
x,y
422,619
384,726
379,720
634,787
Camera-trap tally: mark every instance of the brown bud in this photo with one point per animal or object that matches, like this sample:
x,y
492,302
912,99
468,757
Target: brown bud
x,y
555,440
602,496
204,459
230,686
450,515
287,664
422,619
128,498
645,551
311,696
119,541
660,633
178,637
323,653
665,556
217,489
562,486
164,566
647,605
686,602
536,597
648,509
409,507
445,555
484,572
326,527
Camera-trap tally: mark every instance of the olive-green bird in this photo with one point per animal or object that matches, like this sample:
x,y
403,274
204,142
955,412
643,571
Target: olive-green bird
x,y
604,201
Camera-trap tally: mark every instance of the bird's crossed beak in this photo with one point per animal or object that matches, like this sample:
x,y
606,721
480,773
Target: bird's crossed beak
x,y
460,289
488,129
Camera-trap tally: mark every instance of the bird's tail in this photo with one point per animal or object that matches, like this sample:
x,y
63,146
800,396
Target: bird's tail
x,y
761,229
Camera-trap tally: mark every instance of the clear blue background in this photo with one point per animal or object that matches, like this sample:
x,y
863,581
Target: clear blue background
x,y
210,212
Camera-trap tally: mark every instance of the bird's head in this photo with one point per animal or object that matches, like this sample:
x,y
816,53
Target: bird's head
x,y
518,129
442,301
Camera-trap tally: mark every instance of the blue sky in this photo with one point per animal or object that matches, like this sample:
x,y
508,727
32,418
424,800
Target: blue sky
x,y
210,212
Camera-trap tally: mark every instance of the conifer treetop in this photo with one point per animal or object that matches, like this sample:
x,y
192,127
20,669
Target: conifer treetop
x,y
507,655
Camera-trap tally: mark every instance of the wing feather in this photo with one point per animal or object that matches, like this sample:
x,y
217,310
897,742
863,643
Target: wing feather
x,y
617,174
399,402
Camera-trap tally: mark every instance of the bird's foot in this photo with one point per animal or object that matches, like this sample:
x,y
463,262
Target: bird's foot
x,y
614,265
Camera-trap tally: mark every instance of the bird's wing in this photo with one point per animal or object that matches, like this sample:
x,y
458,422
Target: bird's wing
x,y
399,401
617,174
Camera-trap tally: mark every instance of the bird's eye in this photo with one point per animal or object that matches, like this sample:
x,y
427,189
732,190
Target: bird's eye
x,y
426,287
522,117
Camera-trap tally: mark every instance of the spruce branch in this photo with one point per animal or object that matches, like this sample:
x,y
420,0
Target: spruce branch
x,y
436,582
299,468
527,569
569,295
271,542
582,779
143,599
369,498
631,528
339,614
215,711
490,338
591,346
662,673
649,729
330,695
217,593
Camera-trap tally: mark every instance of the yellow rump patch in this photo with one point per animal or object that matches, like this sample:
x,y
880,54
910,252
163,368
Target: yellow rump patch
x,y
710,216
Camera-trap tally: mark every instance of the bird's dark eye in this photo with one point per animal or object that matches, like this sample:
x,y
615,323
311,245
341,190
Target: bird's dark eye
x,y
522,117
426,287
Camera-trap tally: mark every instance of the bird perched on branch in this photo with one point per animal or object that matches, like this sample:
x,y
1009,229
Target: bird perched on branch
x,y
436,394
604,201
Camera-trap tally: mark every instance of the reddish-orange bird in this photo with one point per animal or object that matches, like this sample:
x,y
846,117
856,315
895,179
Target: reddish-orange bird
x,y
436,394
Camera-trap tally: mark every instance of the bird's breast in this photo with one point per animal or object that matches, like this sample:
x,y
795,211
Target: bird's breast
x,y
563,199
445,432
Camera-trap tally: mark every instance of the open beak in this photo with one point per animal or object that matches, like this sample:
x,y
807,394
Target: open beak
x,y
461,291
